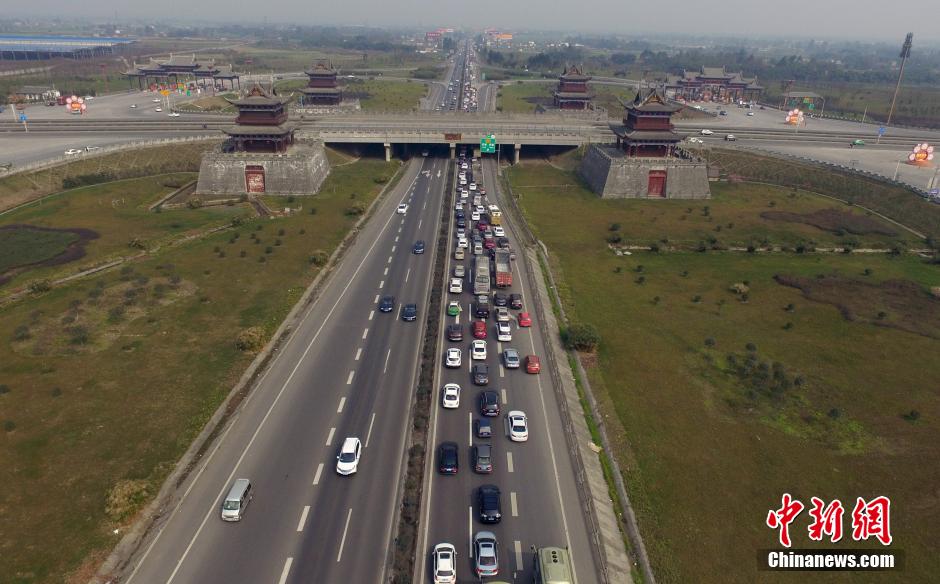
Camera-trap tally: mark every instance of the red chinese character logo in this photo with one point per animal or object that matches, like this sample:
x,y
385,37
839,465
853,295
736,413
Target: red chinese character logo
x,y
872,519
783,517
826,520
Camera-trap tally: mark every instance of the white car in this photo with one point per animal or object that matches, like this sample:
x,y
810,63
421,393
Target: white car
x,y
695,140
460,271
503,332
478,350
730,137
518,426
174,114
155,100
707,132
133,106
750,113
502,314
402,209
91,148
499,231
480,209
461,232
475,215
463,243
464,193
473,186
493,208
159,109
347,462
72,152
453,358
458,206
445,564
456,285
450,398
463,182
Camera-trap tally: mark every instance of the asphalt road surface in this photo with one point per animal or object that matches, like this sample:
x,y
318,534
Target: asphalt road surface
x,y
540,504
348,370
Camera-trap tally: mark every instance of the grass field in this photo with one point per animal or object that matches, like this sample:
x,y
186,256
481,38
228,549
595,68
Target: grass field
x,y
106,381
736,216
523,97
375,95
118,212
916,106
22,247
726,400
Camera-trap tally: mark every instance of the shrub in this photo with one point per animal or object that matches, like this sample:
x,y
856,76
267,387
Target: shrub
x,y
740,288
136,243
638,269
250,339
194,203
710,342
78,335
355,210
237,221
319,258
614,238
261,259
641,280
751,347
278,242
654,247
313,210
302,231
581,337
788,326
656,299
790,308
290,199
280,232
242,253
21,333
116,314
614,227
867,272
696,299
39,286
9,426
269,249
911,416
56,392
4,388
618,269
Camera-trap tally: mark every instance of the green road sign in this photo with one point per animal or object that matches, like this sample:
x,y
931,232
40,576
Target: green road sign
x,y
488,144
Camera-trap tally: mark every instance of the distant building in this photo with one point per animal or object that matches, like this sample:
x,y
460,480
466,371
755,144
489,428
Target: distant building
x,y
647,162
712,84
183,68
572,92
39,47
36,93
322,87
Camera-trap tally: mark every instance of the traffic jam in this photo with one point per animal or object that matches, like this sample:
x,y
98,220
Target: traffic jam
x,y
483,316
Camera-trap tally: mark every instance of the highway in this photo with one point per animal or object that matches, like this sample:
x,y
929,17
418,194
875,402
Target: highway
x,y
348,370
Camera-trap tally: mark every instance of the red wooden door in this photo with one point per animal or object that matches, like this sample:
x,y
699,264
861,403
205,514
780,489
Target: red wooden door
x,y
657,183
254,178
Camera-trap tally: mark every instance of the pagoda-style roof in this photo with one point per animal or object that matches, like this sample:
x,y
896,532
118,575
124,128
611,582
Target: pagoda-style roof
x,y
180,61
693,77
259,96
321,90
573,73
653,102
241,130
321,68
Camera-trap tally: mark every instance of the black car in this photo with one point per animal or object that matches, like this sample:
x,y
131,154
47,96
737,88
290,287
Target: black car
x,y
387,304
515,301
410,312
482,307
461,222
500,299
447,459
489,403
454,333
489,504
502,242
459,214
419,247
481,373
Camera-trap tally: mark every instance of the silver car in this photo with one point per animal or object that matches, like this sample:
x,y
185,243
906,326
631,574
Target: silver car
x,y
511,358
460,271
486,554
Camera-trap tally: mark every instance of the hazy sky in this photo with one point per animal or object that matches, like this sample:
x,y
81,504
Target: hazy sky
x,y
859,19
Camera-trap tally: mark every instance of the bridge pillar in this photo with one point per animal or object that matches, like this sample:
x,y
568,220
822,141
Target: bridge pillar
x,y
453,150
388,152
515,153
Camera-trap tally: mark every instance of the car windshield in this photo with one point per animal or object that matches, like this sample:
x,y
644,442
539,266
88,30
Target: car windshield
x,y
231,505
445,572
347,457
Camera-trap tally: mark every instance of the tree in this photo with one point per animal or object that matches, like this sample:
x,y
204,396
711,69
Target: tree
x,y
581,337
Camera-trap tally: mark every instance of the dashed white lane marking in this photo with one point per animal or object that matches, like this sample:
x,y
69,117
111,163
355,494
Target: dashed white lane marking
x,y
389,260
339,556
358,353
342,402
369,434
470,436
396,239
407,274
394,247
350,378
470,532
512,504
420,221
502,372
303,518
509,461
285,571
316,476
502,393
385,273
381,284
371,314
365,333
376,301
329,439
387,355
517,547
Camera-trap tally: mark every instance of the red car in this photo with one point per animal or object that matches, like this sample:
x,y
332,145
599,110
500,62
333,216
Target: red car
x,y
525,319
489,243
482,226
479,329
532,364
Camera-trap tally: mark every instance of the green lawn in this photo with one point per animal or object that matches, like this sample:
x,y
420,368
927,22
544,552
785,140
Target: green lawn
x,y
733,217
374,94
23,246
706,450
524,97
106,381
118,212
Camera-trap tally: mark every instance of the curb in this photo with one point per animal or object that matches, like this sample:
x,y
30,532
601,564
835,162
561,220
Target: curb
x,y
120,559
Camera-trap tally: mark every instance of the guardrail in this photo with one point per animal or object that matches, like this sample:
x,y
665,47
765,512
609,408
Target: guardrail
x,y
102,151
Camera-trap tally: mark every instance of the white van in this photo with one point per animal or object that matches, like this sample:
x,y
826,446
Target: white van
x,y
233,507
477,249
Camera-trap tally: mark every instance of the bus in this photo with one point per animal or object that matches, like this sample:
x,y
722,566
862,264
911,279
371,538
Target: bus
x,y
553,566
481,275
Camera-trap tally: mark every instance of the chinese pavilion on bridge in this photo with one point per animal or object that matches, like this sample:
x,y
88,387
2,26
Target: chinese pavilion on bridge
x,y
572,92
261,125
647,128
322,88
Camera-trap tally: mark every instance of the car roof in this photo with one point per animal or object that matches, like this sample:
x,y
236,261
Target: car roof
x,y
517,413
349,444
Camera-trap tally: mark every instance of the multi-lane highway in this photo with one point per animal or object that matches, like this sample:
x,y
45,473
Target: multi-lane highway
x,y
348,370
